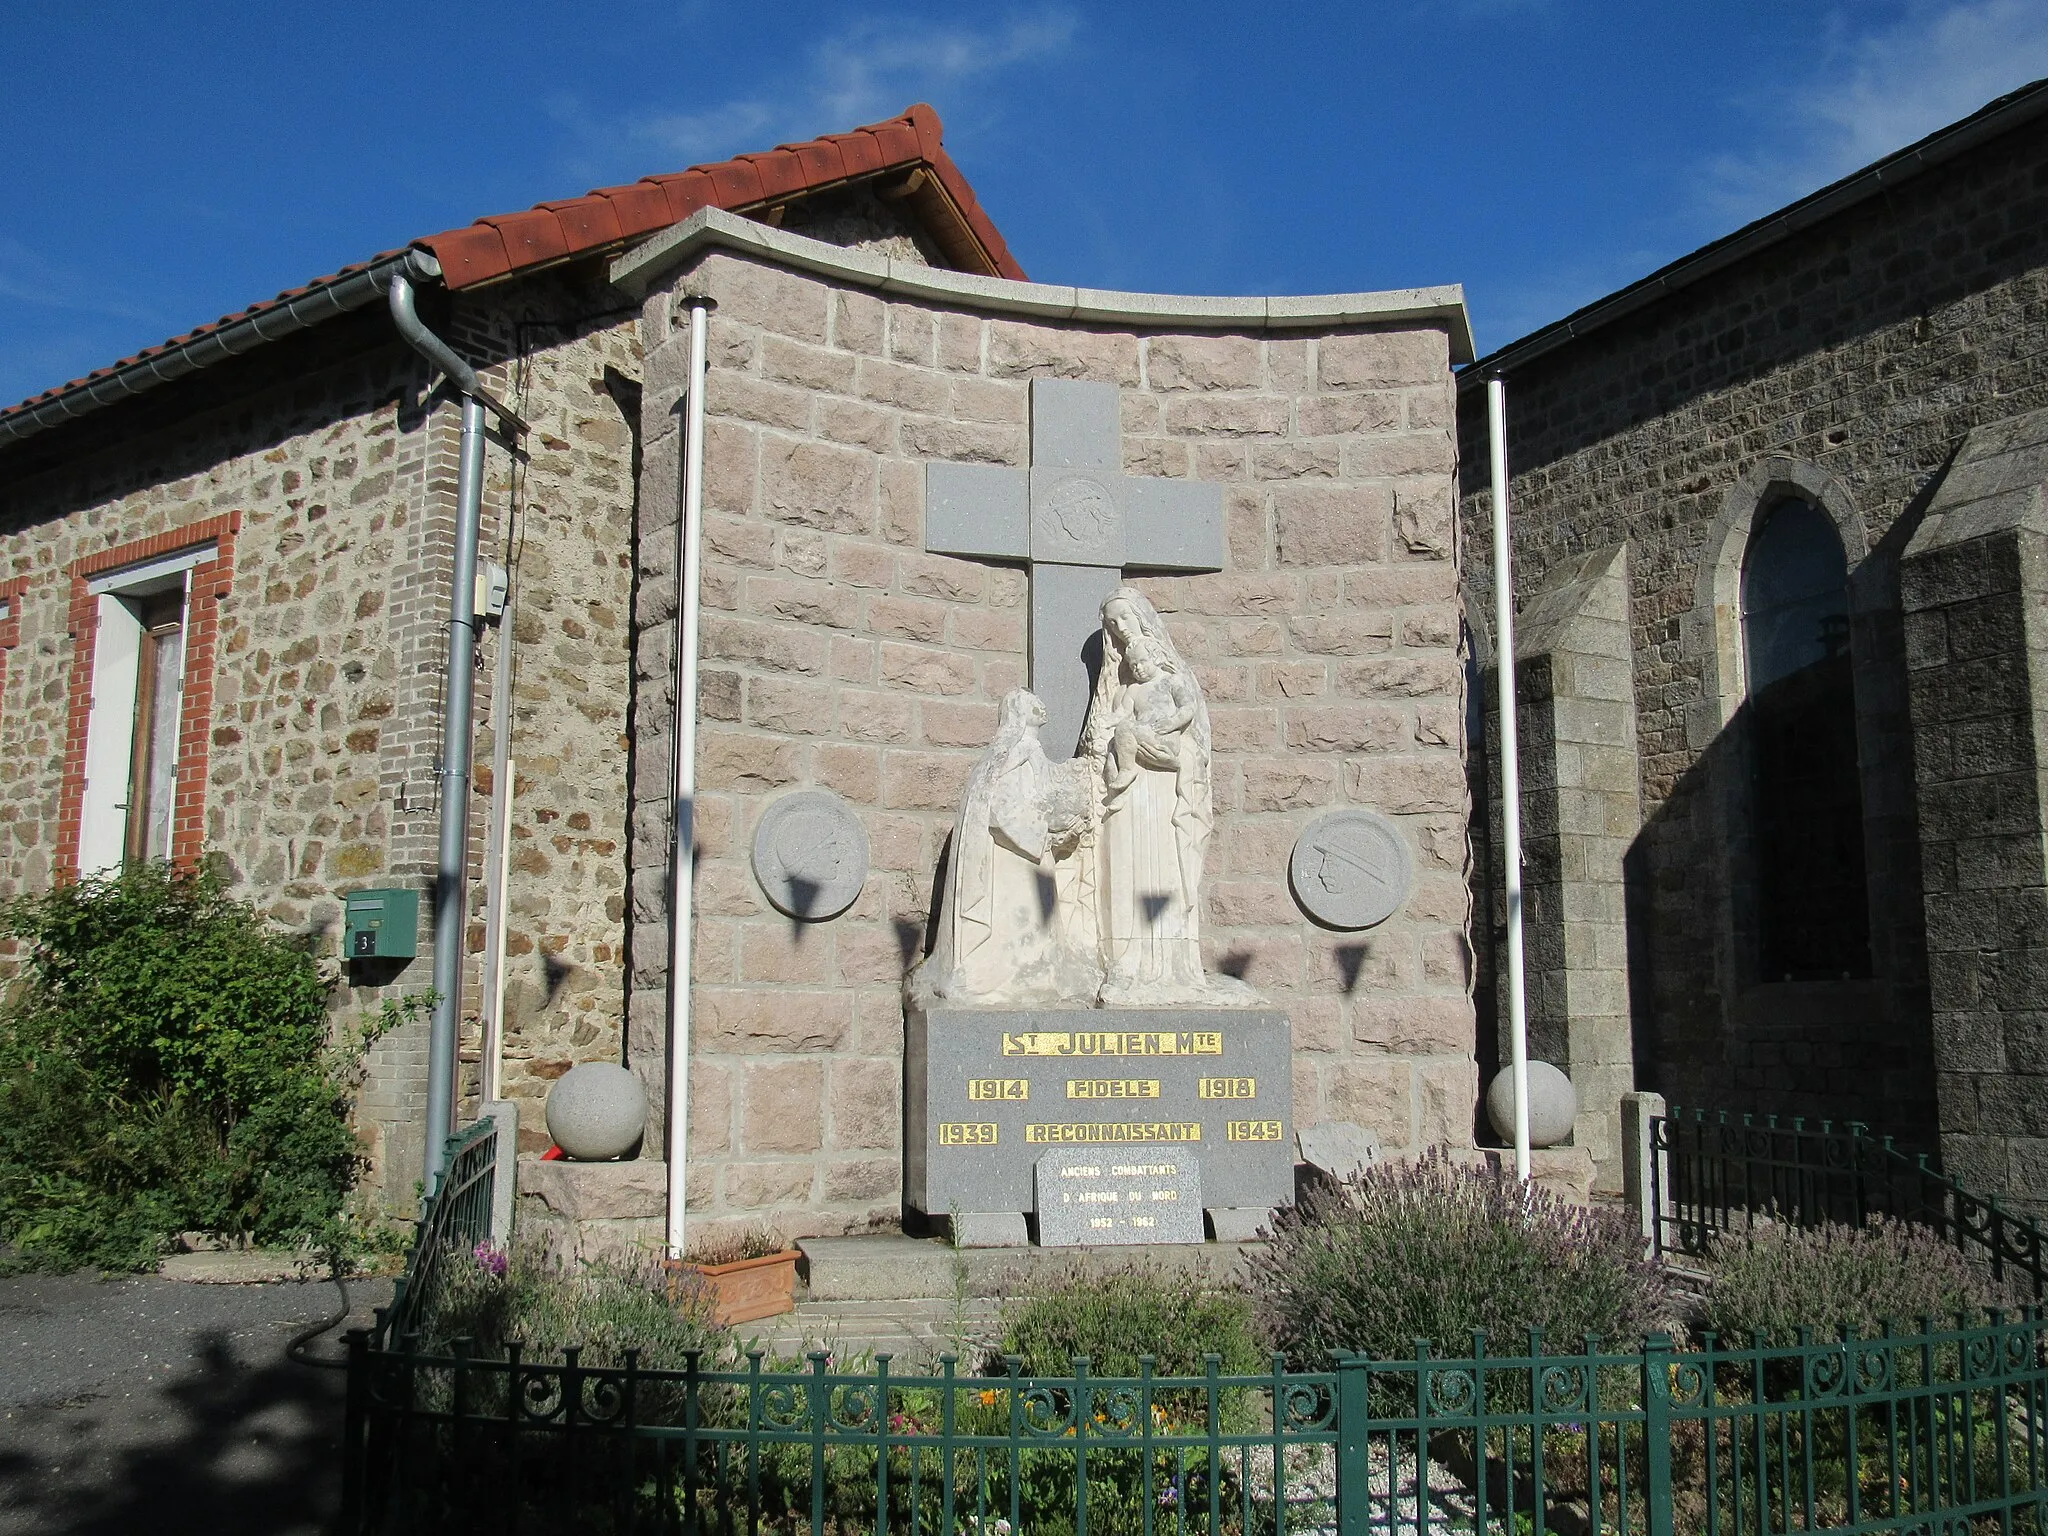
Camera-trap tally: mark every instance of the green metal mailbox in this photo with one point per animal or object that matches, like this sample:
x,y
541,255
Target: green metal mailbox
x,y
381,925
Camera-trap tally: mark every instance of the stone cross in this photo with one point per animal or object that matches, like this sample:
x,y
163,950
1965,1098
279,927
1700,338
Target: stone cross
x,y
1077,524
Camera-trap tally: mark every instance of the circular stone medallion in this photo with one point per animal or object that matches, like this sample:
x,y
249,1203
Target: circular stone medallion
x,y
811,855
1351,869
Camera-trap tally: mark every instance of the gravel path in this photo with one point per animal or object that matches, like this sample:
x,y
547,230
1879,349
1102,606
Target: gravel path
x,y
156,1405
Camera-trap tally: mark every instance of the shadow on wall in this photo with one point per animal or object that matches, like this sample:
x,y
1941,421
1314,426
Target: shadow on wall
x,y
1737,996
1750,987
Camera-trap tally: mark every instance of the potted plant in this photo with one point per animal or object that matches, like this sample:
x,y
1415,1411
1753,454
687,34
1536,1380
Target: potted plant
x,y
743,1275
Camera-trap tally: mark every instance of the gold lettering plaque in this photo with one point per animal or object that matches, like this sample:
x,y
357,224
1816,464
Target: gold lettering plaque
x,y
1112,1087
1103,1042
967,1133
1252,1130
983,1089
1127,1130
1230,1088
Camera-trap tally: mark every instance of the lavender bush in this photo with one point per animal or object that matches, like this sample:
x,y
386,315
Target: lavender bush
x,y
1780,1277
494,1296
1437,1250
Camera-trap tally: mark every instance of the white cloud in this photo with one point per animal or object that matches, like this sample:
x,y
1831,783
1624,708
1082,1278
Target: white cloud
x,y
1875,92
863,73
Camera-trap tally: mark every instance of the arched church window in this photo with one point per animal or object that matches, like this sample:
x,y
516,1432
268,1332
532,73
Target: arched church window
x,y
1807,798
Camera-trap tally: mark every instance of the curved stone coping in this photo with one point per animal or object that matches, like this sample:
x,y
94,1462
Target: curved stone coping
x,y
639,269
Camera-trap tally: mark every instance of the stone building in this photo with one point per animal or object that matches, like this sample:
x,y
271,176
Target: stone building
x,y
262,512
273,496
1776,542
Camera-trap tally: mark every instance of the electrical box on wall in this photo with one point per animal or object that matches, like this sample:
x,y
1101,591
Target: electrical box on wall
x,y
381,925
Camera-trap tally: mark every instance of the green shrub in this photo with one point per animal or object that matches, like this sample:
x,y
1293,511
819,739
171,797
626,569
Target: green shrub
x,y
165,1065
1113,1317
1437,1250
1116,1315
1781,1277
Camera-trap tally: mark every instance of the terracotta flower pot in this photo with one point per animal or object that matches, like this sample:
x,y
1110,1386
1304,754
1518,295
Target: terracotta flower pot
x,y
747,1288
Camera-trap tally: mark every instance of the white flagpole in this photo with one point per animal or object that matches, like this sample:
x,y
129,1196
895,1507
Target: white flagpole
x,y
1510,765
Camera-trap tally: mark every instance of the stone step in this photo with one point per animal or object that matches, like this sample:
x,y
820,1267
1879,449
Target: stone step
x,y
889,1267
916,1335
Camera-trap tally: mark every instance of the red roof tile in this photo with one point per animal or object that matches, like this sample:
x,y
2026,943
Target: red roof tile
x,y
504,244
914,140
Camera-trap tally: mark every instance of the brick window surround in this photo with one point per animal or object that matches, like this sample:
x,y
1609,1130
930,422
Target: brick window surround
x,y
12,594
207,585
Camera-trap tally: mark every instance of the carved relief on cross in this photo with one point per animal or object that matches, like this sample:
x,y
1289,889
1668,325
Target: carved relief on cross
x,y
1077,524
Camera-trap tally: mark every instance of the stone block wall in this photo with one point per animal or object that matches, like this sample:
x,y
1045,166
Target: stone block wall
x,y
1575,706
1846,362
1974,585
837,653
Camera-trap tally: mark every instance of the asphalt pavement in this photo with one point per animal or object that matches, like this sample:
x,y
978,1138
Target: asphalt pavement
x,y
163,1406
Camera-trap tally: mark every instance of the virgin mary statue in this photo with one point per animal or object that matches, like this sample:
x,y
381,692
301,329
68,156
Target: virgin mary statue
x,y
1147,743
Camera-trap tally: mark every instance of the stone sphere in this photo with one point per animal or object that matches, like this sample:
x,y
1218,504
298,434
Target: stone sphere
x,y
1553,1105
597,1111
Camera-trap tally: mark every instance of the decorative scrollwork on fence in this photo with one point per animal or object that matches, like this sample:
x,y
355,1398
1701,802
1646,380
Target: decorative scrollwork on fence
x,y
783,1404
854,1408
1689,1380
538,1391
1119,1413
1305,1405
1452,1392
1562,1388
603,1397
1876,1369
1044,1412
1827,1372
1983,1356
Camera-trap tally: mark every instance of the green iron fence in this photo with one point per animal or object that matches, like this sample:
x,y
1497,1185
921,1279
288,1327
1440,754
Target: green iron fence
x,y
1715,1174
455,1215
1937,1427
1942,1430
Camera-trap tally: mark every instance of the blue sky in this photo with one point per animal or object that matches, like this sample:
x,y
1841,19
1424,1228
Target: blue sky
x,y
170,163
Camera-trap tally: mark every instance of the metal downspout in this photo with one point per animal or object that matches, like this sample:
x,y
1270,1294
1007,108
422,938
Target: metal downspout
x,y
451,878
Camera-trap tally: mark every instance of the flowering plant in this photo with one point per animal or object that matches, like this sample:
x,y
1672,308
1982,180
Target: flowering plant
x,y
1439,1250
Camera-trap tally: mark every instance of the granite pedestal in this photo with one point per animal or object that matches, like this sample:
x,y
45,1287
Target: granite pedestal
x,y
990,1090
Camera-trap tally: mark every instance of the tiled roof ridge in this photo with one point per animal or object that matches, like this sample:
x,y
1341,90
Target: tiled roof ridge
x,y
502,245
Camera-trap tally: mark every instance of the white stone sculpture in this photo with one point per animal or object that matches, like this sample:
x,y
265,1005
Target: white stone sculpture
x,y
1080,883
1013,916
1148,737
597,1111
1553,1104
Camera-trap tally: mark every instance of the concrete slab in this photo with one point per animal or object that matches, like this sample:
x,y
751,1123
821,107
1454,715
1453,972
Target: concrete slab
x,y
238,1267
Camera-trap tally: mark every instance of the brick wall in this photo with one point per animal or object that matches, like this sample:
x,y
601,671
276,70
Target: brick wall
x,y
837,653
1845,364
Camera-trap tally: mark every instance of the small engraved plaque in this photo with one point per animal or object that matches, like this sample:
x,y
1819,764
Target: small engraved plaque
x,y
1136,1193
1351,869
1076,518
811,855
